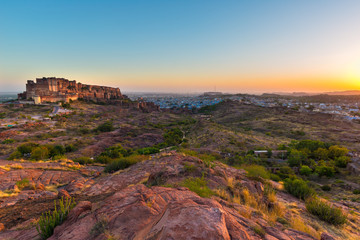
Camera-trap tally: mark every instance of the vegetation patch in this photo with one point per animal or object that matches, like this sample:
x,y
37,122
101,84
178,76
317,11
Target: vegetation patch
x,y
125,162
199,186
326,211
49,220
298,188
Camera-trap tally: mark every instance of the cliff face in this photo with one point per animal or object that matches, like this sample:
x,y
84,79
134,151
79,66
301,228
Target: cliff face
x,y
60,89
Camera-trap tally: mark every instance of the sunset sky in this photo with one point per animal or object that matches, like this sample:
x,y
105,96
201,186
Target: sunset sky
x,y
183,46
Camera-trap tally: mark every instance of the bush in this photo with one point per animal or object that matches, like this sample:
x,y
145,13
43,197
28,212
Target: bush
x,y
39,153
148,150
305,170
27,148
55,150
122,163
103,159
324,170
69,148
116,151
321,154
84,160
260,231
257,171
105,127
342,161
285,172
356,191
296,158
275,177
23,183
325,211
8,141
173,137
16,155
337,151
50,220
298,188
199,186
326,188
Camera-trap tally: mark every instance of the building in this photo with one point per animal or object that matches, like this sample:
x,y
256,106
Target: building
x,y
52,89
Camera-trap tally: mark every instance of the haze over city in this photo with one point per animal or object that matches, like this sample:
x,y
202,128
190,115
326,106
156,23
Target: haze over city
x,y
183,46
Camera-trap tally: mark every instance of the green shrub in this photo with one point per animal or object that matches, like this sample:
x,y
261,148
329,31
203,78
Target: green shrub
x,y
173,137
15,155
84,160
27,148
337,151
324,170
23,183
275,177
8,141
148,150
103,159
282,220
257,171
69,148
356,191
122,163
105,127
189,168
286,172
321,154
39,153
49,220
199,186
325,211
305,170
326,188
260,231
296,158
116,151
342,161
84,131
298,188
101,226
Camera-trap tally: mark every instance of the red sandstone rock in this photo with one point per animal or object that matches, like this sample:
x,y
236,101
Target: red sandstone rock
x,y
63,194
40,186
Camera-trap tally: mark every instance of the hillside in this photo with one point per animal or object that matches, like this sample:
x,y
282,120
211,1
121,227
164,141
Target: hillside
x,y
136,173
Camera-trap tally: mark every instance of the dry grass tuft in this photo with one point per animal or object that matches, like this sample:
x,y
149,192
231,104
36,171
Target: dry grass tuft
x,y
297,223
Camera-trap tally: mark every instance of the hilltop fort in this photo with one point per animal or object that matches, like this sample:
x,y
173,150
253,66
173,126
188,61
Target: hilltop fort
x,y
52,89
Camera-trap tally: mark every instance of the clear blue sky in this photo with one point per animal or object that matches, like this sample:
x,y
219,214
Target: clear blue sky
x,y
186,46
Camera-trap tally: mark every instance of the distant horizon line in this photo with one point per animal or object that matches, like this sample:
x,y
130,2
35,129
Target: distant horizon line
x,y
233,93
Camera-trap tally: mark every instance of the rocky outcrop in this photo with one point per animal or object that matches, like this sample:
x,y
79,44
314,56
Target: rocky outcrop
x,y
134,205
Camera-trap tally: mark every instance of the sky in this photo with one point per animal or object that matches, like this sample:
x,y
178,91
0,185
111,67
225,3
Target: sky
x,y
183,46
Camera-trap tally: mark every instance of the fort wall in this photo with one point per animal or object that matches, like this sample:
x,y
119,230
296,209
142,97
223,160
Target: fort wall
x,y
53,89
